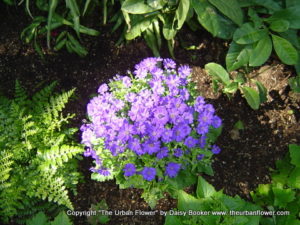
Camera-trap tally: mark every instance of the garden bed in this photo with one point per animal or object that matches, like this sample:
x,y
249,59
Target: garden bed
x,y
247,154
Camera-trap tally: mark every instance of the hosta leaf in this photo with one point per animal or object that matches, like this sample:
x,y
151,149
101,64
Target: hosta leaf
x,y
295,154
231,88
294,178
229,8
61,219
211,20
261,52
136,7
283,196
280,25
291,14
182,12
252,97
204,189
237,56
247,34
38,219
218,72
151,40
292,36
188,202
285,50
262,91
169,31
138,25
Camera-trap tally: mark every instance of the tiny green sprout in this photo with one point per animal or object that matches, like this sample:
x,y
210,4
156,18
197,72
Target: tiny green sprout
x,y
290,112
99,218
239,125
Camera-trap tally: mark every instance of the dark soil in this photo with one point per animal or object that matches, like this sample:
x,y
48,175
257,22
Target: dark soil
x,y
247,155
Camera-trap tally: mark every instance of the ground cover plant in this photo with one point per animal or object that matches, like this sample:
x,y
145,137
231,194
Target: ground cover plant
x,y
37,164
152,131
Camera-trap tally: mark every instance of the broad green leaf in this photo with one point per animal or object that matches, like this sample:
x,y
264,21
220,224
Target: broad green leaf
x,y
239,125
188,202
261,52
169,31
257,21
172,220
182,180
204,189
295,154
138,25
156,28
38,219
212,21
252,97
231,88
218,72
156,4
247,34
291,14
280,25
61,219
136,7
292,36
269,4
283,196
262,91
237,56
294,179
294,82
151,40
182,12
285,50
229,8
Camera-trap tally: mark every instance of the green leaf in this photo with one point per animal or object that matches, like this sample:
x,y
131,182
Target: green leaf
x,y
51,11
229,8
151,40
294,179
252,97
285,50
38,219
231,88
188,202
182,180
262,91
280,25
295,154
239,125
291,3
294,82
292,36
283,196
169,31
218,72
181,12
237,56
62,218
138,25
86,6
101,178
172,220
204,189
136,7
247,34
261,52
212,21
291,14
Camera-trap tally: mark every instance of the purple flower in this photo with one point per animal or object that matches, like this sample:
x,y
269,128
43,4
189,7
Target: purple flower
x,y
149,63
135,145
178,152
184,94
173,81
126,81
190,142
140,71
102,89
184,71
202,129
148,173
129,169
205,117
199,104
172,169
202,141
125,132
200,157
153,132
161,115
164,152
167,135
180,131
151,146
215,149
169,64
216,122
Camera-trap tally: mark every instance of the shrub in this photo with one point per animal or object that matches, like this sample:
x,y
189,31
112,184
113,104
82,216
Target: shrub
x,y
37,155
151,131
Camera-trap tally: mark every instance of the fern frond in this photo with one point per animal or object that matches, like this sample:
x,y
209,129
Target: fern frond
x,y
41,98
58,102
21,97
5,167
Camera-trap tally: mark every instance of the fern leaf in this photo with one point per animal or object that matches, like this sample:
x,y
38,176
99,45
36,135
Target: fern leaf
x,y
5,166
21,97
41,99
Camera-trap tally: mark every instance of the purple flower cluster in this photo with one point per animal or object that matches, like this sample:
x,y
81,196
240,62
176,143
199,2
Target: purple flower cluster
x,y
146,119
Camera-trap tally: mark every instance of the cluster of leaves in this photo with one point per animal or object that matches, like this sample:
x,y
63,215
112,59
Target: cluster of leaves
x,y
99,218
41,219
36,162
284,192
61,25
230,86
207,199
145,130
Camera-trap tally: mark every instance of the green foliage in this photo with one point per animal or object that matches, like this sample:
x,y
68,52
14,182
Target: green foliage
x,y
221,77
214,206
37,156
41,219
99,218
283,194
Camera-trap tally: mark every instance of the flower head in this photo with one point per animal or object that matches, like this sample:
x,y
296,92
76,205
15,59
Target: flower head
x,y
148,173
129,169
172,169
